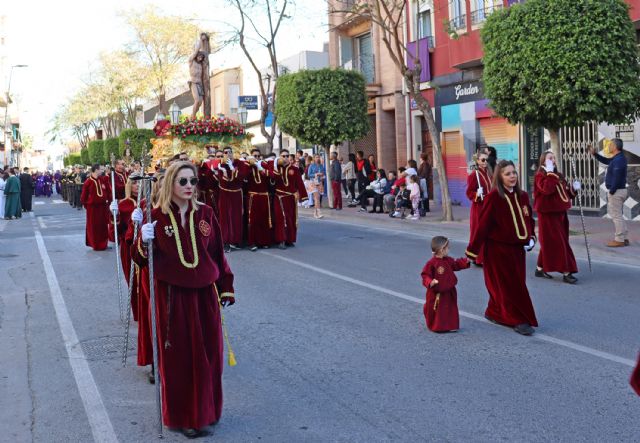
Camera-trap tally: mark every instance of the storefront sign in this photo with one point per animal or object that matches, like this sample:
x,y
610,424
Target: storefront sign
x,y
533,148
625,132
459,93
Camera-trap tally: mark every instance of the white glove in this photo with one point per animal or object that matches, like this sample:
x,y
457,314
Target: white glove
x,y
576,185
530,246
480,192
230,163
220,168
259,165
148,231
113,207
548,166
137,216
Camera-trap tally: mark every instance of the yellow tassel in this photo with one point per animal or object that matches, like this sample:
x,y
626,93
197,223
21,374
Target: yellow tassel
x,y
232,355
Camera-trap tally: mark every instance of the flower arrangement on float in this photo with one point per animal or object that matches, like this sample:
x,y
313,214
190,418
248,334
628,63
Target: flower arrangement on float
x,y
197,137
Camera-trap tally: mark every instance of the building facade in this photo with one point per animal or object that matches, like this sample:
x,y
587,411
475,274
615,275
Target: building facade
x,y
357,44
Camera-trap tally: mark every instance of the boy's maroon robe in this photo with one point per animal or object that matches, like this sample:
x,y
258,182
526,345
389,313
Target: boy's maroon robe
x,y
120,179
190,340
551,200
95,197
289,190
230,202
441,307
259,209
476,203
635,378
506,225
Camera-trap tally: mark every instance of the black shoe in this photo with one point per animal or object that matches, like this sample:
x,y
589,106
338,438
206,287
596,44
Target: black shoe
x,y
190,432
524,329
235,247
351,205
227,249
253,248
372,212
569,278
542,274
152,377
281,246
490,319
290,245
626,242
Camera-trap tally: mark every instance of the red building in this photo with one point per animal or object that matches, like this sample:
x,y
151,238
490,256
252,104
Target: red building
x,y
453,86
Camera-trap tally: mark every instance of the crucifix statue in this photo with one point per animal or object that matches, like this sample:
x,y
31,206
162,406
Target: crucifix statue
x,y
199,83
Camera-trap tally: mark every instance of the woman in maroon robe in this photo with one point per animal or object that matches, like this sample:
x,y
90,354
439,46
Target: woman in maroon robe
x,y
478,186
192,281
505,231
441,307
95,197
552,199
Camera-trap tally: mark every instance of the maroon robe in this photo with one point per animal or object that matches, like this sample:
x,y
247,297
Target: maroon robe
x,y
120,179
506,225
259,209
289,190
635,378
441,307
551,200
208,188
476,203
230,203
95,197
190,340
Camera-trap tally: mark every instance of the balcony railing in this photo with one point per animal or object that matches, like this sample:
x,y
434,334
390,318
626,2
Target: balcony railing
x,y
458,23
480,15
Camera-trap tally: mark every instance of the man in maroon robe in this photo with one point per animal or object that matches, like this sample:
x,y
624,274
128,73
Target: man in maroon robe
x,y
289,190
95,197
231,177
260,223
120,179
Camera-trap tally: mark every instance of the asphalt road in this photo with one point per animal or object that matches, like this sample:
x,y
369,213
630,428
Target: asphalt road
x,y
330,342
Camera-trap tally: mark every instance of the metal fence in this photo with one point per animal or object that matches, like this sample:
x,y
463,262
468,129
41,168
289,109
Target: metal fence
x,y
575,144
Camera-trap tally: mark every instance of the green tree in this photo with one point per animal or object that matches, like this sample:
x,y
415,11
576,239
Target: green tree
x,y
111,146
557,63
323,107
96,152
84,156
137,138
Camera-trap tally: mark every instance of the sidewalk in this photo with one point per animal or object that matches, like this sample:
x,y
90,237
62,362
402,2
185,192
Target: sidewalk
x,y
599,231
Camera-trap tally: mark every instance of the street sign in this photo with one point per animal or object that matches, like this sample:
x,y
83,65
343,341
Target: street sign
x,y
250,102
625,132
268,122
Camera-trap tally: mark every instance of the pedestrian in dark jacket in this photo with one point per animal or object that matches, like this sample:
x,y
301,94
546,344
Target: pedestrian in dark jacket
x,y
363,169
335,175
616,183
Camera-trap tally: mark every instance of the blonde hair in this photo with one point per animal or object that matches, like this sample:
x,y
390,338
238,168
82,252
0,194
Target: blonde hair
x,y
129,184
165,195
155,188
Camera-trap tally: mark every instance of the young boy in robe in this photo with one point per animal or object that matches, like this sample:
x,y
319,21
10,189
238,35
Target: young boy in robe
x,y
441,307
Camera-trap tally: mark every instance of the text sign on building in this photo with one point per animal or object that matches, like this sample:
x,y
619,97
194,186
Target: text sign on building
x,y
625,132
533,147
250,102
464,92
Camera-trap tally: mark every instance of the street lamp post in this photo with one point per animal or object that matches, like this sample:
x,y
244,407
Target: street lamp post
x,y
6,112
242,114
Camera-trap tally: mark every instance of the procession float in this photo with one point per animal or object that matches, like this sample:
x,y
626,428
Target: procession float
x,y
198,137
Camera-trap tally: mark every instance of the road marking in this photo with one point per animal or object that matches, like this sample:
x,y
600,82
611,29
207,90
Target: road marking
x,y
41,223
542,337
38,203
99,421
57,202
395,232
3,224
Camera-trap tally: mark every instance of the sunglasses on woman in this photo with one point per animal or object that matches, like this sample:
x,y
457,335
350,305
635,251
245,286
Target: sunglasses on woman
x,y
482,160
183,181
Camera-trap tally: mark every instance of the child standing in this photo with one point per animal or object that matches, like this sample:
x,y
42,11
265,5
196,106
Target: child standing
x,y
441,308
414,187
